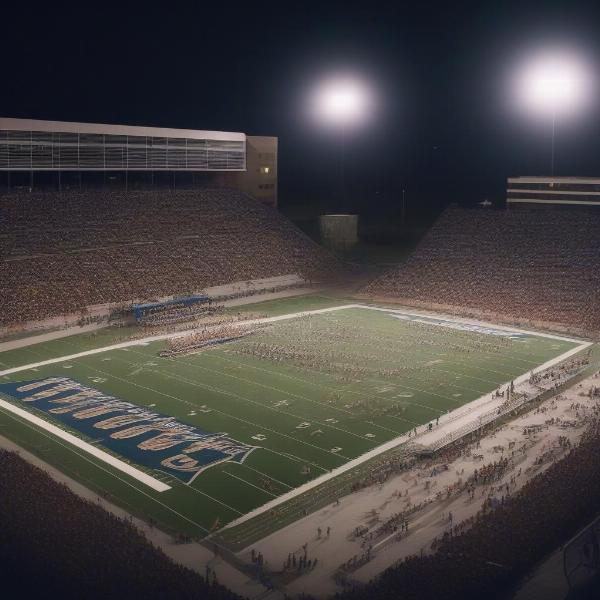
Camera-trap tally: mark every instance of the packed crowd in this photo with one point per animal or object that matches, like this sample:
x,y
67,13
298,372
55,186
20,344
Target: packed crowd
x,y
350,351
210,320
208,336
178,313
63,252
56,544
531,266
252,291
553,378
485,557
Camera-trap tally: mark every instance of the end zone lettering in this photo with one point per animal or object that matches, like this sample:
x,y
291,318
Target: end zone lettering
x,y
139,434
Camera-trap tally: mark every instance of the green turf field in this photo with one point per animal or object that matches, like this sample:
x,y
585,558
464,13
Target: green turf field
x,y
311,393
113,335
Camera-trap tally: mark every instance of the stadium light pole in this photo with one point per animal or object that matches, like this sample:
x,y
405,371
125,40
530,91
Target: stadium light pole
x,y
342,103
553,84
553,138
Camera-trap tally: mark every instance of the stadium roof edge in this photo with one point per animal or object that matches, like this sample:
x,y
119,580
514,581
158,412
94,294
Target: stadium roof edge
x,y
101,128
553,179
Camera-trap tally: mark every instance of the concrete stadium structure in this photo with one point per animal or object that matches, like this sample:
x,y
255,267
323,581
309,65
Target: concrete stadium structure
x,y
339,232
553,191
68,155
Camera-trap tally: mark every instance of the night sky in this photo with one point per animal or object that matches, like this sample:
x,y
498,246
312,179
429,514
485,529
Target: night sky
x,y
443,129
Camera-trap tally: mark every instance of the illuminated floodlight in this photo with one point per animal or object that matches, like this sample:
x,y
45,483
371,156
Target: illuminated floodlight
x,y
342,102
553,83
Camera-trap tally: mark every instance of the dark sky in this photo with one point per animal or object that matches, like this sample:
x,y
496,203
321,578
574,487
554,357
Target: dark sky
x,y
443,128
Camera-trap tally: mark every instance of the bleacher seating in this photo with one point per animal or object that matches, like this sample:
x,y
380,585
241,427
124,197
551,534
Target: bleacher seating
x,y
526,265
63,252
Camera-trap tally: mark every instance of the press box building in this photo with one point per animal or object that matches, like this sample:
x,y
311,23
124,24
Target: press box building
x,y
66,155
553,192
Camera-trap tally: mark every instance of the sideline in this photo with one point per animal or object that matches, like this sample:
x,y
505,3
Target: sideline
x,y
62,332
192,555
449,423
118,464
48,336
167,336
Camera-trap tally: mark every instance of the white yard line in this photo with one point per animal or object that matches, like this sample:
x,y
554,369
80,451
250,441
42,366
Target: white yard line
x,y
195,382
122,466
289,487
214,389
166,336
448,422
248,483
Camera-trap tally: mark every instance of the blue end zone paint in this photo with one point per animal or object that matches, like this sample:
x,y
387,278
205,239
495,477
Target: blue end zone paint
x,y
139,434
460,326
140,310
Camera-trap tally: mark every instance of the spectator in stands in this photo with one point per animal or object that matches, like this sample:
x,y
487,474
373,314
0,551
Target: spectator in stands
x,y
536,267
63,252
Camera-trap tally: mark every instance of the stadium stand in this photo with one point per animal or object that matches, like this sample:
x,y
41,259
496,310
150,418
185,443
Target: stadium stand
x,y
520,265
502,543
102,556
64,252
80,550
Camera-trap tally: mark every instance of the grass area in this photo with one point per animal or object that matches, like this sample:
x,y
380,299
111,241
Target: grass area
x,y
112,335
64,346
311,393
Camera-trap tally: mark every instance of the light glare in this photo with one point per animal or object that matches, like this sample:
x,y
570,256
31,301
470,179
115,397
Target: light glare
x,y
341,102
553,83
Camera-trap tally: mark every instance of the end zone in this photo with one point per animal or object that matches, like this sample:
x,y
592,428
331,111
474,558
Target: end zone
x,y
120,465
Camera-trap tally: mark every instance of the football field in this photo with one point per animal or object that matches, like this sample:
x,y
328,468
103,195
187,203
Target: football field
x,y
232,428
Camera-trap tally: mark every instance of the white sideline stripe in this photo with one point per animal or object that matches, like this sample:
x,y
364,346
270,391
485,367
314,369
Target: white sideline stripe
x,y
166,336
439,431
155,484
